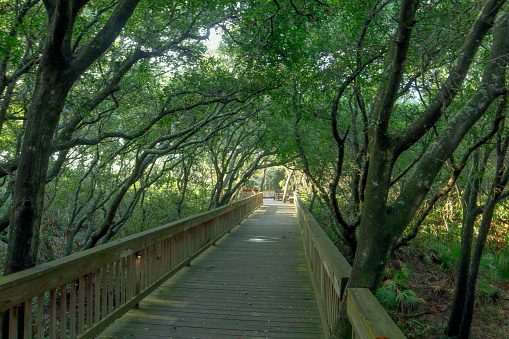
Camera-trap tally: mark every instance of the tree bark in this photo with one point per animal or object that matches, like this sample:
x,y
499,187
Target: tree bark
x,y
288,178
381,224
58,70
470,197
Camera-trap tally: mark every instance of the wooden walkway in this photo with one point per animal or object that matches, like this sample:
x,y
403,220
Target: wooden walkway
x,y
255,284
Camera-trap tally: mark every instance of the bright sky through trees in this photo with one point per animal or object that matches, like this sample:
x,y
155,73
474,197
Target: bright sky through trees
x,y
213,41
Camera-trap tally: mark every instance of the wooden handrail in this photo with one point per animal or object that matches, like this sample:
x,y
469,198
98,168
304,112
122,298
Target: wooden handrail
x,y
329,269
368,317
92,288
330,272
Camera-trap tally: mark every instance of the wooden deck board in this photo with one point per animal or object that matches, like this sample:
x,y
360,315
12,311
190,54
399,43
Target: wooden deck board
x,y
254,284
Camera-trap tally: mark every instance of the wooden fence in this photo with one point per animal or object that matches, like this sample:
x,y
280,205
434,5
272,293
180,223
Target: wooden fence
x,y
330,272
79,295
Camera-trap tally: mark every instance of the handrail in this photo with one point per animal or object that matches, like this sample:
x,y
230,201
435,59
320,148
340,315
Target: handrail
x,y
368,317
92,288
330,272
329,269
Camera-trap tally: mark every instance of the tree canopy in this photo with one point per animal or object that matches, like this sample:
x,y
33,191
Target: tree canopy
x,y
115,113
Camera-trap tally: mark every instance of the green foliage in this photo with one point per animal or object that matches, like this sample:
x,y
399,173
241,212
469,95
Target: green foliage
x,y
394,294
487,291
501,264
447,254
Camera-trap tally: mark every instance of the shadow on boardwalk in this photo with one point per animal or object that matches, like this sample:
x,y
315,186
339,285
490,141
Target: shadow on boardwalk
x,y
254,283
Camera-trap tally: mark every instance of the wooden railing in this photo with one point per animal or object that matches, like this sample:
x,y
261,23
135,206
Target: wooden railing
x,y
329,269
79,295
330,272
368,317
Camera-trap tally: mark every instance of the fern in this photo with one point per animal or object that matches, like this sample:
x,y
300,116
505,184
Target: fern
x,y
444,254
387,298
502,265
407,300
394,295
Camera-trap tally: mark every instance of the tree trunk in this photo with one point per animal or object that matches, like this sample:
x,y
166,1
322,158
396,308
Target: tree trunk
x,y
262,182
471,194
286,185
382,224
58,70
27,201
466,321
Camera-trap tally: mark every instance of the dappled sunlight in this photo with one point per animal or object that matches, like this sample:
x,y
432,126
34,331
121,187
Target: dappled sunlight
x,y
260,240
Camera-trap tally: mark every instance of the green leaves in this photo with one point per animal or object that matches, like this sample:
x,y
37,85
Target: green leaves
x,y
394,293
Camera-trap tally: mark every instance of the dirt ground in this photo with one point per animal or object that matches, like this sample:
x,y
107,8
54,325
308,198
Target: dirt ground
x,y
435,286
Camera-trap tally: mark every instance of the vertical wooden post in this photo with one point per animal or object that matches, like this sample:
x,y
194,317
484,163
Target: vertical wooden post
x,y
97,296
72,310
131,276
52,313
110,287
189,247
27,323
123,280
13,322
117,283
137,275
63,311
40,316
89,300
143,267
104,292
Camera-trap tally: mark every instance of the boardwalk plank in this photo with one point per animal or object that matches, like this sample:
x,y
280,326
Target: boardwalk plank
x,y
254,283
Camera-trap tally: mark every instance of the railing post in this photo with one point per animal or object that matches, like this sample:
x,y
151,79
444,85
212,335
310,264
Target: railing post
x,y
189,247
137,275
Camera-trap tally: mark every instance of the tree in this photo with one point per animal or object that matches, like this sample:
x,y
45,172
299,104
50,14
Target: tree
x,y
59,68
468,269
383,222
69,68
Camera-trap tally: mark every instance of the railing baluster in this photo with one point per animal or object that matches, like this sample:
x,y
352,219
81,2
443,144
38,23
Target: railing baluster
x,y
150,265
40,316
81,308
173,251
27,321
104,292
166,266
52,313
143,269
63,311
72,310
123,274
128,278
117,283
137,281
89,300
13,322
131,276
110,287
97,296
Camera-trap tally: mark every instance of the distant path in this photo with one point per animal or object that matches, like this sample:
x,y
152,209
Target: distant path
x,y
254,283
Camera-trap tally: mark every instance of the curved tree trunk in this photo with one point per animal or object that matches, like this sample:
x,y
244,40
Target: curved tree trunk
x,y
58,70
288,178
471,194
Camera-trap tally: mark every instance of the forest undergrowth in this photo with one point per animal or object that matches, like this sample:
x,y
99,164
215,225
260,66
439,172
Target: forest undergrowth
x,y
418,286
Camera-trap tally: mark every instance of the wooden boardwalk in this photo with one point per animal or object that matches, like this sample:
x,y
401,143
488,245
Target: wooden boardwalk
x,y
255,284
